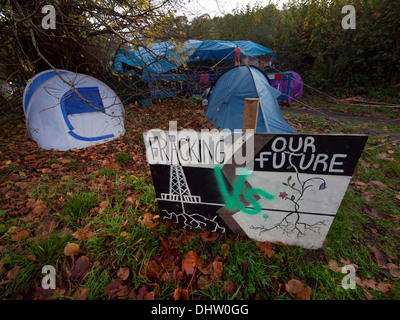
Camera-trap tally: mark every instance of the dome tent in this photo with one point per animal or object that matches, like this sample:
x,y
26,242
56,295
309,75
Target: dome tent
x,y
76,111
226,101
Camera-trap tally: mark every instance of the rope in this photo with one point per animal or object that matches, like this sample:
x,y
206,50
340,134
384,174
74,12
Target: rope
x,y
222,59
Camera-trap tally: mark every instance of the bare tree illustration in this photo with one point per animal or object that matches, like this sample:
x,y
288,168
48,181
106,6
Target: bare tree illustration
x,y
291,223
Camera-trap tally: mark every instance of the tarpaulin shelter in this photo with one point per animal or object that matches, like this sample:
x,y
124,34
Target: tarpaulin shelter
x,y
71,111
226,101
165,56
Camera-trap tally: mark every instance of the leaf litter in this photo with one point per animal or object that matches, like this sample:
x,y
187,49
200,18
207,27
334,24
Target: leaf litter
x,y
26,194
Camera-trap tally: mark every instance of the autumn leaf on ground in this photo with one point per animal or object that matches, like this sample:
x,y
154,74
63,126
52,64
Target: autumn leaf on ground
x,y
383,287
181,294
103,206
82,234
217,269
204,282
141,294
368,195
204,268
168,248
380,258
373,213
18,234
189,262
147,221
333,265
81,294
298,290
71,249
80,269
225,250
14,272
375,184
266,248
208,236
123,273
115,290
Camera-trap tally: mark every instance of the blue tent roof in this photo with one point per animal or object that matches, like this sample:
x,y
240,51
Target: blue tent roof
x,y
164,56
226,101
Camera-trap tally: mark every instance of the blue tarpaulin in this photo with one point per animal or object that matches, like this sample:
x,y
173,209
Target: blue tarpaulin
x,y
164,56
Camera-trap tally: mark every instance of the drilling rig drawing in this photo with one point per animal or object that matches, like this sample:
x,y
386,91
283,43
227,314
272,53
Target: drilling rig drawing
x,y
178,188
179,192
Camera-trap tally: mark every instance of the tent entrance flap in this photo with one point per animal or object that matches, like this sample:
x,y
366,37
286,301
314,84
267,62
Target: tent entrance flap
x,y
74,104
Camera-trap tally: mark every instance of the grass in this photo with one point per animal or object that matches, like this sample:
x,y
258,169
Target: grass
x,y
80,191
78,205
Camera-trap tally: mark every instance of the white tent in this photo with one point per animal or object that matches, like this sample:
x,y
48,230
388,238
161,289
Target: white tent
x,y
74,111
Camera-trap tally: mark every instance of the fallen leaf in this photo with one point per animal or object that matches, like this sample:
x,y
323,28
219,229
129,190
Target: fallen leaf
x,y
225,250
245,266
14,272
204,282
368,195
123,273
365,164
189,262
333,265
146,219
217,268
19,235
103,206
373,213
383,287
204,268
208,236
266,248
21,185
125,235
115,290
41,208
360,185
177,294
81,294
380,258
82,234
71,249
375,184
394,270
13,230
298,290
81,267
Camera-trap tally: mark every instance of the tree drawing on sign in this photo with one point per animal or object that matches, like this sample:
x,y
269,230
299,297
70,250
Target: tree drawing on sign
x,y
291,223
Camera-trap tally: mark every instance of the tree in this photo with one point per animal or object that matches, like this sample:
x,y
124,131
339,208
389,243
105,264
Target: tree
x,y
86,36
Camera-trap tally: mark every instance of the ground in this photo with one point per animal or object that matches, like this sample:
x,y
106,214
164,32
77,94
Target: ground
x,y
92,215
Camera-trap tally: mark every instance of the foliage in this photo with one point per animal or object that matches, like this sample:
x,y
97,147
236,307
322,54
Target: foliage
x,y
86,36
308,37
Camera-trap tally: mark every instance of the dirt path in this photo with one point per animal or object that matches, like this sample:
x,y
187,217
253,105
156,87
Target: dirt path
x,y
341,115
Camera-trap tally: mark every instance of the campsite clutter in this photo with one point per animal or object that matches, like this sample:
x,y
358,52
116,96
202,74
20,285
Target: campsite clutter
x,y
200,63
65,110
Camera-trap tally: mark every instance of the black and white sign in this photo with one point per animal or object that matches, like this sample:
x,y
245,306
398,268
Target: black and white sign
x,y
270,187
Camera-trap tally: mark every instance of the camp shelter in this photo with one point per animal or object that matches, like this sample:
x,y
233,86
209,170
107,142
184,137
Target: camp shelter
x,y
226,101
165,56
66,110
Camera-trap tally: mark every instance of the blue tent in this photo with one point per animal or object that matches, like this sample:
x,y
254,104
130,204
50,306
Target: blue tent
x,y
226,101
164,56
